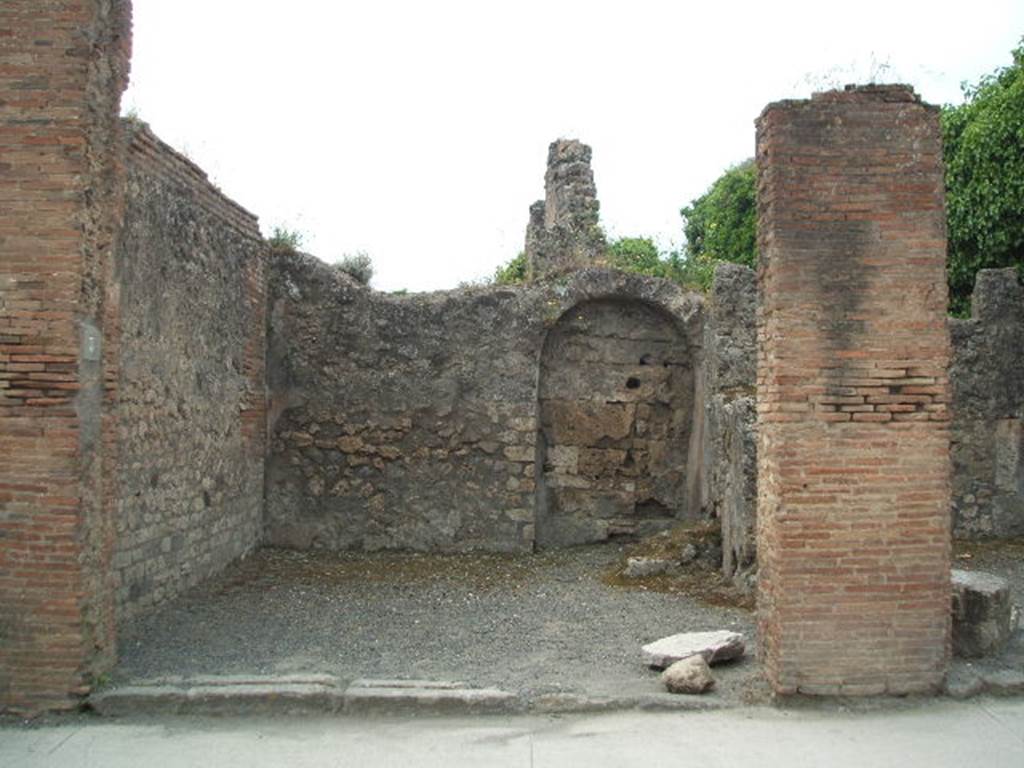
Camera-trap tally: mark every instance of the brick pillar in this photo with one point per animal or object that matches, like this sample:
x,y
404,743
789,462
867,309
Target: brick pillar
x,y
853,450
63,67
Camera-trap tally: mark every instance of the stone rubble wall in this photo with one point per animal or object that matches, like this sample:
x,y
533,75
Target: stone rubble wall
x,y
987,376
729,445
410,422
190,417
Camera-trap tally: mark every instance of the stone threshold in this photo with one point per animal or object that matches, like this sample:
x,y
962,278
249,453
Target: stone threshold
x,y
234,695
328,695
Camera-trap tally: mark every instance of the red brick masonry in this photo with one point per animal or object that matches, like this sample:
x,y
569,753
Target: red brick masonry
x,y
853,488
63,66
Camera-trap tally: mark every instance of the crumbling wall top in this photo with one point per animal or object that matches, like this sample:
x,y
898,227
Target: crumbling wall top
x,y
853,94
564,233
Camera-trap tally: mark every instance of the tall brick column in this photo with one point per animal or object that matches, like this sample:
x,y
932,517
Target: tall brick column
x,y
853,454
63,67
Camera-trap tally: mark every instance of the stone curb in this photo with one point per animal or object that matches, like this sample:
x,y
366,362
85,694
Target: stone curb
x,y
210,697
326,695
1002,682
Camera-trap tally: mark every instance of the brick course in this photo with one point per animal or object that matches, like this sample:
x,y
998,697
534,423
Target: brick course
x,y
853,453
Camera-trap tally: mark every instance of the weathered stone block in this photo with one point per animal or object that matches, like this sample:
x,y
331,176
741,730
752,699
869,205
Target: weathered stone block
x,y
577,422
982,613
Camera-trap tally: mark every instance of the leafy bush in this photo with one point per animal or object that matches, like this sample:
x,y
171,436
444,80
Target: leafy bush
x,y
635,254
512,272
630,254
641,255
358,265
284,239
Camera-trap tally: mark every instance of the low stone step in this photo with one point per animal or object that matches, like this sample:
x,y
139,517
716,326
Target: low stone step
x,y
320,694
222,696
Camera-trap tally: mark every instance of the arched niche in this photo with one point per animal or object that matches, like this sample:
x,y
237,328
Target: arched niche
x,y
615,412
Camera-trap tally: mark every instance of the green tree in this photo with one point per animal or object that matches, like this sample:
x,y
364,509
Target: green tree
x,y
721,224
635,254
984,154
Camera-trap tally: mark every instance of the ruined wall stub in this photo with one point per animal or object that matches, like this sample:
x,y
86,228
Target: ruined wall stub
x,y
853,452
616,409
729,437
563,233
988,414
64,67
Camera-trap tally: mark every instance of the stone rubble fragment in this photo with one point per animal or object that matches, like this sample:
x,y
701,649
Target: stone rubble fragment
x,y
714,647
642,567
690,675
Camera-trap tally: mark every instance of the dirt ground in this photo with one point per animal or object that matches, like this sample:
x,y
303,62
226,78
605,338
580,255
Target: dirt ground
x,y
559,622
554,622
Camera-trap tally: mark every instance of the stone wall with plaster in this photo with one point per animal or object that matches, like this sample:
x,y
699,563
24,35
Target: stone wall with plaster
x,y
411,421
987,379
191,411
729,438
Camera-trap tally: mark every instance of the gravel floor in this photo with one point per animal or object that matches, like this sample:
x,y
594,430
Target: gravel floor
x,y
545,623
537,624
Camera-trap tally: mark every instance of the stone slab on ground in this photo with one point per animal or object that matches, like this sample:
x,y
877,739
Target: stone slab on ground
x,y
721,645
983,619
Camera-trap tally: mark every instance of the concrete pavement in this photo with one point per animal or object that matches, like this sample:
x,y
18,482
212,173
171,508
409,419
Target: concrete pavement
x,y
983,731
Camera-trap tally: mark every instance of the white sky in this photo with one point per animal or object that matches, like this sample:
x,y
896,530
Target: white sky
x,y
418,131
